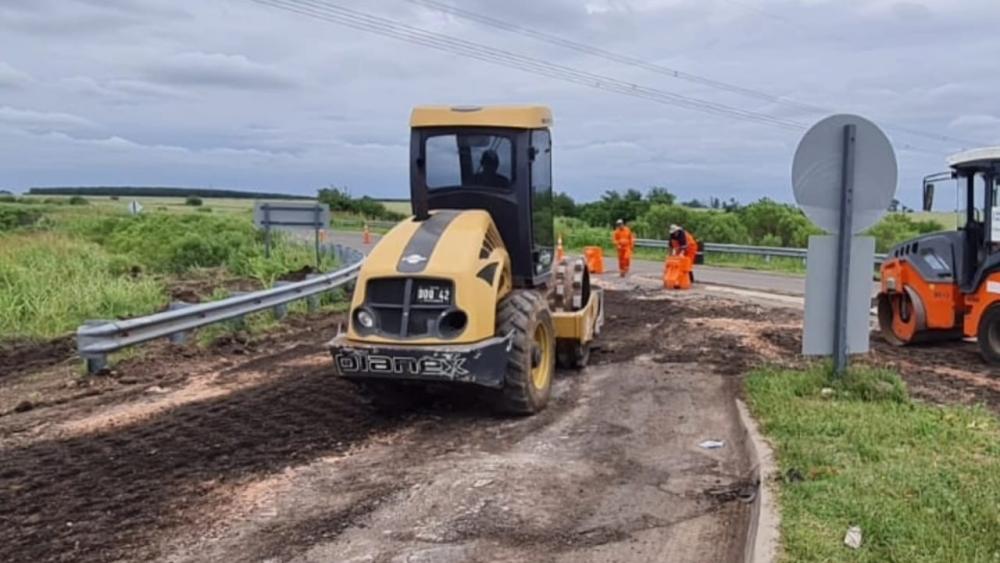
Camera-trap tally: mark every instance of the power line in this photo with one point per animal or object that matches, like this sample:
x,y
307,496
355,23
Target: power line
x,y
658,68
333,13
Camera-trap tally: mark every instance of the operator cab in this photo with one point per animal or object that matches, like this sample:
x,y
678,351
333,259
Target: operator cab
x,y
498,159
975,248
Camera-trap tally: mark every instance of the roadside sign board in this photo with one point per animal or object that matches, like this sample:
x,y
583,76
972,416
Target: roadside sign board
x,y
289,214
818,170
817,339
844,178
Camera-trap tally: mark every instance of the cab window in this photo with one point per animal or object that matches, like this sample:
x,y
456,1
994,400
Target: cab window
x,y
460,160
542,216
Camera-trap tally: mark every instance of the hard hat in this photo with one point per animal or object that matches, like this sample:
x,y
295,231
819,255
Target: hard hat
x,y
620,222
674,228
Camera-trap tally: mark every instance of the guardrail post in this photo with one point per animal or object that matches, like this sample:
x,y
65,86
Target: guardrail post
x,y
312,302
96,364
178,338
240,322
93,363
281,310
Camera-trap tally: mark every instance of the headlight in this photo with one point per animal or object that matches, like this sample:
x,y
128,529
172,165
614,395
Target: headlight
x,y
365,319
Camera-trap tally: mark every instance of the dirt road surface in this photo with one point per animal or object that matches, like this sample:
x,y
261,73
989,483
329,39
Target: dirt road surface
x,y
250,450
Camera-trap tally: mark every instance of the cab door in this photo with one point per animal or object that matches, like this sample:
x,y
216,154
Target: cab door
x,y
542,213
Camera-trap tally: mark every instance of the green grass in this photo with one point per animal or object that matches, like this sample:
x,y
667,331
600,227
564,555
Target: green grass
x,y
921,481
398,206
50,283
80,262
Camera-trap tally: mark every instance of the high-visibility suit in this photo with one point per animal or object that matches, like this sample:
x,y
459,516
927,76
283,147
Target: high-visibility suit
x,y
682,242
625,243
678,270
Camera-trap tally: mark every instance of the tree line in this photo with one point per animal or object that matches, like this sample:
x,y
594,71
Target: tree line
x,y
135,191
764,222
340,199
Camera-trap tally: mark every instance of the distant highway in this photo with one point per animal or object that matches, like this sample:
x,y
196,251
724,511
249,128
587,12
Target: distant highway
x,y
769,282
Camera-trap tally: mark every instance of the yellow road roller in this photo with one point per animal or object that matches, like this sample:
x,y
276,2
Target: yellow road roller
x,y
467,291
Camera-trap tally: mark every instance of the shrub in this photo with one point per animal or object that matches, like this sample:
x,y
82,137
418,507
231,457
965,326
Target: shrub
x,y
176,243
895,228
78,200
767,220
340,200
193,201
16,217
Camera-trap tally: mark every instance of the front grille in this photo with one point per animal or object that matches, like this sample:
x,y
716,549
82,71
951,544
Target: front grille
x,y
396,304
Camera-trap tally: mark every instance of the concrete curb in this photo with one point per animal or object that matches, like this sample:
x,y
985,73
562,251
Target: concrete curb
x,y
762,529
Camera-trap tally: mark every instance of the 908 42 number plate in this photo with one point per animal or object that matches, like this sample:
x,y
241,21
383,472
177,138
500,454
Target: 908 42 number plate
x,y
432,294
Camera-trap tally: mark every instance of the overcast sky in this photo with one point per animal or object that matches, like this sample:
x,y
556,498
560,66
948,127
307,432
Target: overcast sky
x,y
231,93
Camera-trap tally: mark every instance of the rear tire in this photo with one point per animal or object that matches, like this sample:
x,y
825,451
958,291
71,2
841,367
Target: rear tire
x,y
989,335
525,316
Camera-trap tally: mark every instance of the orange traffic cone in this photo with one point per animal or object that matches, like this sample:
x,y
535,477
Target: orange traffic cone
x,y
366,238
560,253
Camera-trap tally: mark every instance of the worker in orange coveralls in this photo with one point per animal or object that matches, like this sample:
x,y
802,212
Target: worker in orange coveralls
x,y
682,243
625,243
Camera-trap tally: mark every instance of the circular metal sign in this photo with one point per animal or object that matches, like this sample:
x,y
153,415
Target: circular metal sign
x,y
818,169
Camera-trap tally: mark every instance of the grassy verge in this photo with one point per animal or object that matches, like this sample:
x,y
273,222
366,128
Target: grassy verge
x,y
63,264
921,481
50,283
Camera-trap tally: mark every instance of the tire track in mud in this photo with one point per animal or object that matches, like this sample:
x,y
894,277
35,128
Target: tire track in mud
x,y
94,497
106,495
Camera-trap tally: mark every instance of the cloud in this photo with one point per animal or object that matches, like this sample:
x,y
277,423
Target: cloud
x,y
218,70
11,77
64,18
977,121
122,90
41,122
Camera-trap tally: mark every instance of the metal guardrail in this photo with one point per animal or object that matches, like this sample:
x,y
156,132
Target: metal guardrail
x,y
764,251
341,223
96,339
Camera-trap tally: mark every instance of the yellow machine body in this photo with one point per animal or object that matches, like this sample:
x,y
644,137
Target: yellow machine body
x,y
467,249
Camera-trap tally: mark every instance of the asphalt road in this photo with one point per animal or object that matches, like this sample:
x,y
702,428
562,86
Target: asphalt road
x,y
769,282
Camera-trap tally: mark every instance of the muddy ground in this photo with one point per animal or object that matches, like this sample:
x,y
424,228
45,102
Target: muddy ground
x,y
250,450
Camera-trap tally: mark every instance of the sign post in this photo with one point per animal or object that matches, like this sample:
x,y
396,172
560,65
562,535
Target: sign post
x,y
844,249
844,179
